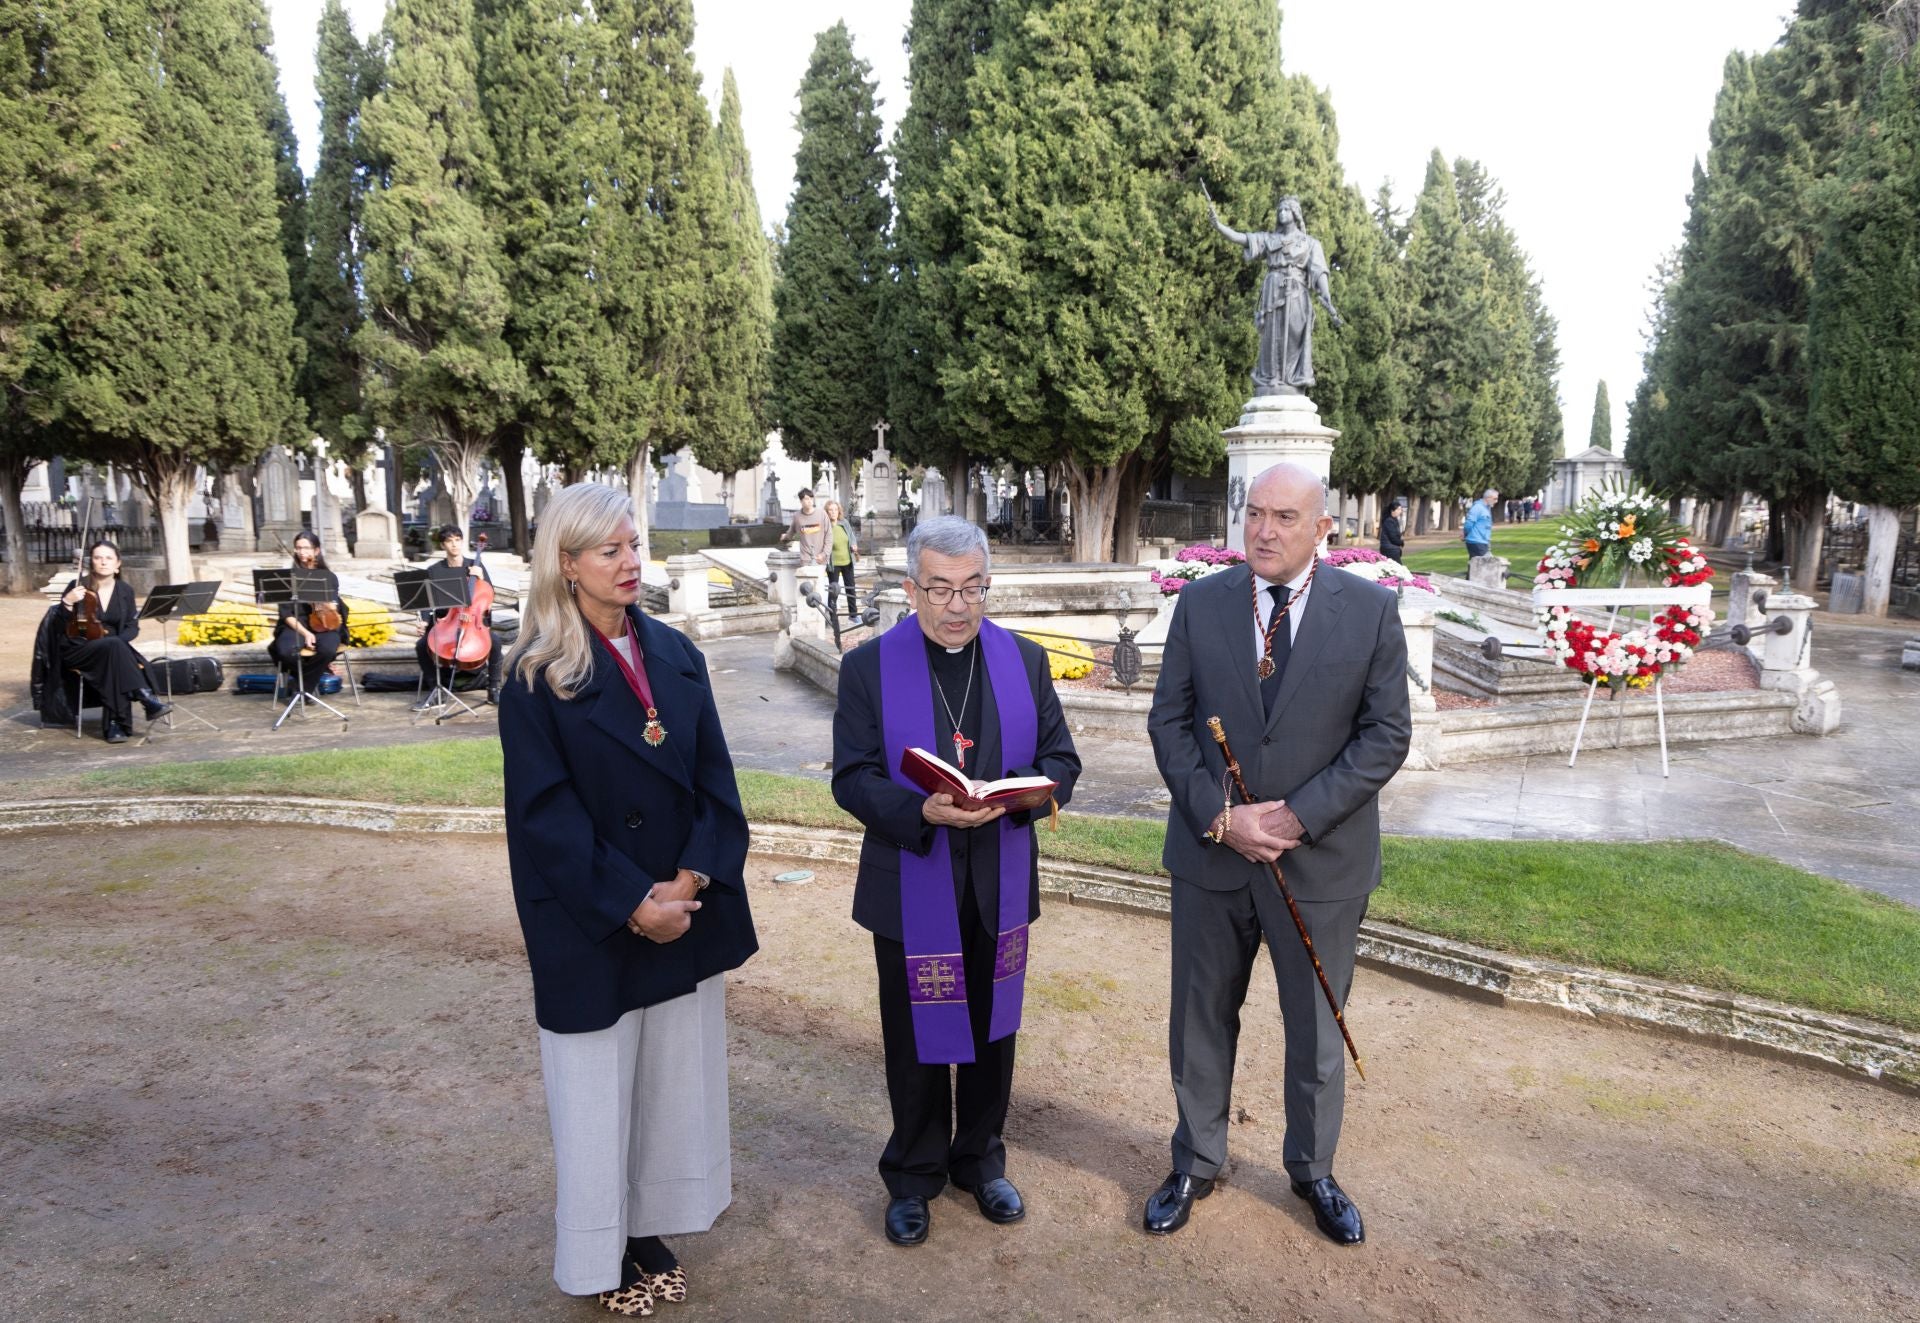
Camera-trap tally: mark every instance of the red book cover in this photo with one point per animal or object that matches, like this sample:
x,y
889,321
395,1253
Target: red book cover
x,y
937,776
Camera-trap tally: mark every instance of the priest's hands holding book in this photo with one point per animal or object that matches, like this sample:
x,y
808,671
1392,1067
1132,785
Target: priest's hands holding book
x,y
941,811
1261,833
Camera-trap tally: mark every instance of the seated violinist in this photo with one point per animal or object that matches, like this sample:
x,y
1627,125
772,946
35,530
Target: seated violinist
x,y
97,622
437,669
310,633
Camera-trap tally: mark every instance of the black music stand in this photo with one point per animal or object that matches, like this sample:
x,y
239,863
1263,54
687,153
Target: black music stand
x,y
163,604
427,592
300,587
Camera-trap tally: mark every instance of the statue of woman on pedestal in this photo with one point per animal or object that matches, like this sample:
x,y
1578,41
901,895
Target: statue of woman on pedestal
x,y
1296,275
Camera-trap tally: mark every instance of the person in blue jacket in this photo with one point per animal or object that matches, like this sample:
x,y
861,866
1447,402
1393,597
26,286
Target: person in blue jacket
x,y
628,848
1477,531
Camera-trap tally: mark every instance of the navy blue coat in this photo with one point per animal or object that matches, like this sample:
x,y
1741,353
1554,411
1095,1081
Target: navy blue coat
x,y
595,816
891,813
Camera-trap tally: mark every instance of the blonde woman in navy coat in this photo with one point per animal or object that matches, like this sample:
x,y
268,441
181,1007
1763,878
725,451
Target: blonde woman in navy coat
x,y
628,850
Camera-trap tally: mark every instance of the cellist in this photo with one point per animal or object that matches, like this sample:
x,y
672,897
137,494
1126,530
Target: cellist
x,y
310,633
98,624
453,544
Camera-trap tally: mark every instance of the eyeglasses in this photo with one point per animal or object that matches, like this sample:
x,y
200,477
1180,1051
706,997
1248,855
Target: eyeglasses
x,y
939,594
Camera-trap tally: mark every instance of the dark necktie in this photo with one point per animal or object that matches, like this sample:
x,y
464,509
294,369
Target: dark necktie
x,y
1282,646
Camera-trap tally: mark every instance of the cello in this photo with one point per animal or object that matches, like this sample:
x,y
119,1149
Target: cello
x,y
460,638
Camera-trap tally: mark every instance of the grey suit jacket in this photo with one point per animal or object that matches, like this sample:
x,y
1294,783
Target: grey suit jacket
x,y
1338,732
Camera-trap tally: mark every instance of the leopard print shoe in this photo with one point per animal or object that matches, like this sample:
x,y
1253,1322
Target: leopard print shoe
x,y
634,1301
670,1286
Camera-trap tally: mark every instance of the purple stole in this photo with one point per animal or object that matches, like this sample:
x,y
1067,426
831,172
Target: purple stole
x,y
929,912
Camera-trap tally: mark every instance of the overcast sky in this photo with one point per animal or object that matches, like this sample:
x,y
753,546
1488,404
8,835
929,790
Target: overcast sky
x,y
1590,118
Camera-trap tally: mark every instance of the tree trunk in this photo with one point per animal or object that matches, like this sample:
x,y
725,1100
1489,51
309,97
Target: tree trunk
x,y
512,466
639,469
843,462
1135,476
956,476
170,487
1095,493
1369,511
460,473
1807,528
1883,540
1724,514
13,476
359,476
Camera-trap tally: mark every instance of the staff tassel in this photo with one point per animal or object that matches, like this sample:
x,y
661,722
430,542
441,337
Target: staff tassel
x,y
1286,893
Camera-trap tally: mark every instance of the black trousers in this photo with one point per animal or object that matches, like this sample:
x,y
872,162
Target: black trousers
x,y
115,670
438,672
285,651
845,574
947,1120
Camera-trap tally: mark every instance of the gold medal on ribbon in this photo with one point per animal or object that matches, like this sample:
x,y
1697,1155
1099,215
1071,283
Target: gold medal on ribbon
x,y
1266,668
655,733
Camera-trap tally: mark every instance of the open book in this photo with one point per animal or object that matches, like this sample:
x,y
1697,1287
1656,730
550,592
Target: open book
x,y
1012,793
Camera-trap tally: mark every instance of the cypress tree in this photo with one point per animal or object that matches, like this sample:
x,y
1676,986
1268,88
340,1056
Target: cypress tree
x,y
739,308
1449,342
1104,326
543,65
1600,433
192,362
439,370
659,304
330,302
829,387
1864,330
920,304
65,121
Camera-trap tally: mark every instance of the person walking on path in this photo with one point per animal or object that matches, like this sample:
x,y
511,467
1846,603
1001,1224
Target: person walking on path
x,y
809,528
1477,531
1308,677
843,549
1393,541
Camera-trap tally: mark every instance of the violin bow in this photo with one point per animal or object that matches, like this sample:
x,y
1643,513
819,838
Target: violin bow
x,y
1286,892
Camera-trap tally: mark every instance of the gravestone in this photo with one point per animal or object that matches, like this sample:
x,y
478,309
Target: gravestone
x,y
933,493
278,483
541,495
1849,594
1488,571
236,515
327,524
376,529
883,492
674,508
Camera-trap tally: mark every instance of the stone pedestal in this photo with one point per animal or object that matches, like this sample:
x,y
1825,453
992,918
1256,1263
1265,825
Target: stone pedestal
x,y
1488,571
1273,429
892,605
782,571
1741,608
1786,665
1910,655
376,535
687,584
1416,620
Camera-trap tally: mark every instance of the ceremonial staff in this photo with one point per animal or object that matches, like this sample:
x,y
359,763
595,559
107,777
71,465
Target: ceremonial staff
x,y
1233,766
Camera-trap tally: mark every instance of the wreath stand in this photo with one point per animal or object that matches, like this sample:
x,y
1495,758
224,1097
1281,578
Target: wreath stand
x,y
1698,595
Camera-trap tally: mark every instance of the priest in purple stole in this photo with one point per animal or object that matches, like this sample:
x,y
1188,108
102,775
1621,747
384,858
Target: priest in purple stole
x,y
947,894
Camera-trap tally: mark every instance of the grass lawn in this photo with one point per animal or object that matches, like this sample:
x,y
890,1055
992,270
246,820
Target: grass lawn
x,y
1523,544
1691,911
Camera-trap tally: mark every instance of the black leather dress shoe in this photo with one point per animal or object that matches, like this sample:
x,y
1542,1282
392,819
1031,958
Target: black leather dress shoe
x,y
999,1201
153,705
908,1219
114,732
1335,1214
1169,1206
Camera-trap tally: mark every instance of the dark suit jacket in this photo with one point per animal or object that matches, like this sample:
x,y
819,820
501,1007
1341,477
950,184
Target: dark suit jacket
x,y
595,816
863,786
1392,541
1338,732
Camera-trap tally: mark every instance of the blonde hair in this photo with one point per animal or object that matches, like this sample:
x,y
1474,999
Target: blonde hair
x,y
834,505
554,637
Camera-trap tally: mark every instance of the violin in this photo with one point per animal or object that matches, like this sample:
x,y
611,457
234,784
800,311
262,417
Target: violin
x,y
460,638
84,624
324,616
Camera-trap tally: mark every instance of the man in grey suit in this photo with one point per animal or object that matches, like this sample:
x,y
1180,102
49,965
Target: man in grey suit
x,y
1317,733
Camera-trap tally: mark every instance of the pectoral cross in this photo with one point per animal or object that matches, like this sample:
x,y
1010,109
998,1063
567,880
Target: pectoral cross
x,y
960,746
935,979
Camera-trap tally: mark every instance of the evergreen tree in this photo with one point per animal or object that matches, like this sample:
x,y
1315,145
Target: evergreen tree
x,y
739,308
660,301
1600,434
65,119
191,362
1103,324
920,305
1864,331
560,217
439,370
330,303
829,387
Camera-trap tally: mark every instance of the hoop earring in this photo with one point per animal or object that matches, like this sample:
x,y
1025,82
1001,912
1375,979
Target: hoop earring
x,y
573,588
